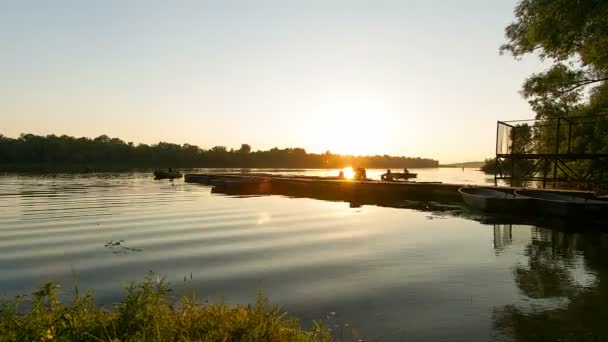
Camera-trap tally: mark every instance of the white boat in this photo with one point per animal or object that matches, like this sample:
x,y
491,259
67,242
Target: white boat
x,y
566,205
494,200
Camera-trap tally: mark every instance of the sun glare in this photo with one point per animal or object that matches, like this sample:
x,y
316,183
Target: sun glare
x,y
350,126
348,172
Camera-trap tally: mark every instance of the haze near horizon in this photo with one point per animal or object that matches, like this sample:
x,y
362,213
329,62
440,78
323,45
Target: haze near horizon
x,y
355,77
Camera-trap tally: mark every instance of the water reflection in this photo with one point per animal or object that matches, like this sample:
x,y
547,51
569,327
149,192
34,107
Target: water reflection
x,y
565,282
503,236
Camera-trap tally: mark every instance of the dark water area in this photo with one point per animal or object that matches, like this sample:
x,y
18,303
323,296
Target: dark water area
x,y
391,274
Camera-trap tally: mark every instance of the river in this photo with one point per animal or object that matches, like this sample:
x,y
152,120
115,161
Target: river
x,y
390,274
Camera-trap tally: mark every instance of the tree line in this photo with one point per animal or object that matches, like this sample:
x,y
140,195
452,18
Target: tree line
x,y
51,152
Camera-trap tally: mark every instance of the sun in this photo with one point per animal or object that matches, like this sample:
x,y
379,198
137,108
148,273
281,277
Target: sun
x,y
349,173
352,126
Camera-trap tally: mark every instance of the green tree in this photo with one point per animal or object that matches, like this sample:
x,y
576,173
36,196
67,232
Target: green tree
x,y
573,36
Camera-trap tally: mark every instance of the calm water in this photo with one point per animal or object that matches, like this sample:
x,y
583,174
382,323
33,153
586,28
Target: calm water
x,y
386,272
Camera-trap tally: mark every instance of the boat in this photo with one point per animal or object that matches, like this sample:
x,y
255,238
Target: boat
x,y
491,200
561,204
159,174
395,176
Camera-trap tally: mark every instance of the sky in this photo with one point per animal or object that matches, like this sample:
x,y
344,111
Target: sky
x,y
403,77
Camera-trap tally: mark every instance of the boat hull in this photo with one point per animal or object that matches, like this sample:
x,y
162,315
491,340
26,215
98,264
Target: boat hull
x,y
495,201
565,205
167,175
397,176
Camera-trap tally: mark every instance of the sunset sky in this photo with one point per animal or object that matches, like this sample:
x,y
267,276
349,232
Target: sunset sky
x,y
414,78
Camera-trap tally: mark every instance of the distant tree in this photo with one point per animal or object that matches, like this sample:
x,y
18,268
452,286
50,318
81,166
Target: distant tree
x,y
245,148
102,139
105,152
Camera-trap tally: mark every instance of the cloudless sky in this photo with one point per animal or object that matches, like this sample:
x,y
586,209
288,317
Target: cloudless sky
x,y
402,77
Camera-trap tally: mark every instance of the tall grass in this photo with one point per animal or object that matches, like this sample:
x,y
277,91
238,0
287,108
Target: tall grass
x,y
148,312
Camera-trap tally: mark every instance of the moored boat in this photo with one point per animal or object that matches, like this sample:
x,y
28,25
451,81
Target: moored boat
x,y
405,175
493,200
159,174
566,205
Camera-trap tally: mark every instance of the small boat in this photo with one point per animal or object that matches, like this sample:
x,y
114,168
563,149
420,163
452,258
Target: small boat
x,y
494,200
159,174
565,205
397,176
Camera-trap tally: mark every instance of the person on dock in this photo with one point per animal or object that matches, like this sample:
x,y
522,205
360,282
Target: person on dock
x,y
360,173
341,174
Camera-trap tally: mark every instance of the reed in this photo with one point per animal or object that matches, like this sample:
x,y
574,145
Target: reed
x,y
148,312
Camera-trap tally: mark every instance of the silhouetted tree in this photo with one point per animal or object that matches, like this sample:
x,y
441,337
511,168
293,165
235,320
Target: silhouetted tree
x,y
31,151
245,148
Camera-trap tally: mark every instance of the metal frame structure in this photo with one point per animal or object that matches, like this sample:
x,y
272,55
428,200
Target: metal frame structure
x,y
545,166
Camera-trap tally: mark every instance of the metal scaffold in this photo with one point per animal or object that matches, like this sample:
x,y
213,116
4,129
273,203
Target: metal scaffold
x,y
552,151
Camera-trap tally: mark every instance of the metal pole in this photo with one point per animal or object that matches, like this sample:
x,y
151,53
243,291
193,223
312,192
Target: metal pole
x,y
497,127
569,135
556,152
512,155
545,165
496,171
496,153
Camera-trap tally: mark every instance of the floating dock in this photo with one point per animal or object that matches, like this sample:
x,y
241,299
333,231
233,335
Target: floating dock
x,y
357,192
433,197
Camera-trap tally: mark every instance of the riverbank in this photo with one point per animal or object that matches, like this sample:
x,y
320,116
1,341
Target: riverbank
x,y
148,312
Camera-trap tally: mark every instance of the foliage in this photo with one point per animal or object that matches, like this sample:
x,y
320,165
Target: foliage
x,y
489,166
64,152
573,36
520,167
147,313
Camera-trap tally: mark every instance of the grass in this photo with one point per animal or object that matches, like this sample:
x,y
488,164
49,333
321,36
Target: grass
x,y
148,312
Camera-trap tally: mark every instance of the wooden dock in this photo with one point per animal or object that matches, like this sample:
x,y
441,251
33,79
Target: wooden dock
x,y
436,198
333,188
